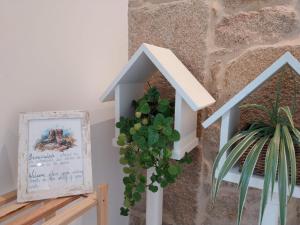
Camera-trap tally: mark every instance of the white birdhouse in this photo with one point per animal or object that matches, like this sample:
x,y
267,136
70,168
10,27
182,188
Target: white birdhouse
x,y
230,114
190,97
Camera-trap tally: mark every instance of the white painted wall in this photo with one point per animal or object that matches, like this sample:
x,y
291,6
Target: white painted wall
x,y
60,55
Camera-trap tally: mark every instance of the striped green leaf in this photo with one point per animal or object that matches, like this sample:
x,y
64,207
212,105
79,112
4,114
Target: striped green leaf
x,y
226,147
291,157
232,158
222,152
296,132
288,114
267,179
247,172
276,146
282,183
256,106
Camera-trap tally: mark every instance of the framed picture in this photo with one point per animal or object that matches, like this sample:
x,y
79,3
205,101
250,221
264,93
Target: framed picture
x,y
54,155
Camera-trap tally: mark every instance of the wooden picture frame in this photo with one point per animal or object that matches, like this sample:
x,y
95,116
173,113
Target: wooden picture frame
x,y
54,157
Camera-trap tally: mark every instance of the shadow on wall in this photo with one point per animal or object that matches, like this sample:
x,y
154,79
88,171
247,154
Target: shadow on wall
x,y
106,169
8,162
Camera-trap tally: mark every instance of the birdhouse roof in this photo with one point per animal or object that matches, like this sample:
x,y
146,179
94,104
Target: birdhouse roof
x,y
148,59
286,58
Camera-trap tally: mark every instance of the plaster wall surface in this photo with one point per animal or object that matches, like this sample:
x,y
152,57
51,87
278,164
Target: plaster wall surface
x,y
61,55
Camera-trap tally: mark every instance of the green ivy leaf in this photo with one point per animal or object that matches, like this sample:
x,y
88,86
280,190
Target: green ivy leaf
x,y
153,188
124,211
130,156
145,121
167,153
127,170
127,202
138,114
167,131
153,178
121,139
128,191
175,135
137,126
136,196
164,183
174,170
143,179
186,159
140,187
126,180
146,157
123,150
153,136
123,161
163,105
169,121
132,178
132,131
144,108
152,95
170,178
140,140
158,121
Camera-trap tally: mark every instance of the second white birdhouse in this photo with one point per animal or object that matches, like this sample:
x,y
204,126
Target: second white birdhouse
x,y
230,116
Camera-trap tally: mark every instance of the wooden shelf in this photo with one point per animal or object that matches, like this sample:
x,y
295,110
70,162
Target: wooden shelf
x,y
13,213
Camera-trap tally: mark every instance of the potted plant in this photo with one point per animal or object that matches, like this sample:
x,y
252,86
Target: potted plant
x,y
146,140
278,139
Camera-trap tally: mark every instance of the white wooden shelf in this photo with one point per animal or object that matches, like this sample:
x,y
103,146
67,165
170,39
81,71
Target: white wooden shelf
x,y
256,181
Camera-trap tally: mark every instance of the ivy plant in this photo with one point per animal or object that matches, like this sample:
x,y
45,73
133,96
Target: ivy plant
x,y
146,140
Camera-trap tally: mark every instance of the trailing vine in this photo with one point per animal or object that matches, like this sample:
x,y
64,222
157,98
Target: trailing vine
x,y
146,140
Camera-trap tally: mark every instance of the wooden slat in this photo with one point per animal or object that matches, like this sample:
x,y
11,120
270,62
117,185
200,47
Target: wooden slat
x,y
48,217
47,209
74,212
102,206
10,210
43,211
8,197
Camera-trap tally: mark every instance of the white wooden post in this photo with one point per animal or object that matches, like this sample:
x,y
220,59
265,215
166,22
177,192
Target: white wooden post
x,y
154,203
271,215
229,126
185,122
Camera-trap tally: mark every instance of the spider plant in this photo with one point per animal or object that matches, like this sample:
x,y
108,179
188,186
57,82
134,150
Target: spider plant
x,y
280,136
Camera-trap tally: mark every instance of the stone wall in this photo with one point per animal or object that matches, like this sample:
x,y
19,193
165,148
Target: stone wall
x,y
225,44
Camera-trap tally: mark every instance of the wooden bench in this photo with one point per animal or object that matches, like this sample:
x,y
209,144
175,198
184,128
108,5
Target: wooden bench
x,y
13,213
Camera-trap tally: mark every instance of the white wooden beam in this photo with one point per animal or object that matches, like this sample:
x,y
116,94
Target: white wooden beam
x,y
186,123
286,58
124,95
229,125
154,205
